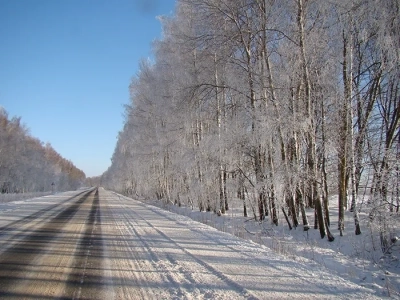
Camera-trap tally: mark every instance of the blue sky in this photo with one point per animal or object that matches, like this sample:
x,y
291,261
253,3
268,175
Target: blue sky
x,y
66,65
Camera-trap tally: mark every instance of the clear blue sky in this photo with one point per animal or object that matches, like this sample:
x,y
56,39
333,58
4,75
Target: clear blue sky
x,y
66,65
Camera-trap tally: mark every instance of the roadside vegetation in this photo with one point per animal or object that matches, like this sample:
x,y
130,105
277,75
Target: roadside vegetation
x,y
284,106
27,165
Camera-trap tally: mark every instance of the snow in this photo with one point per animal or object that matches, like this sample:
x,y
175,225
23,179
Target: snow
x,y
159,254
350,257
250,270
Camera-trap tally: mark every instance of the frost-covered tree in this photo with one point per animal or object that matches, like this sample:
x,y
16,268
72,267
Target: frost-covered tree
x,y
26,165
278,103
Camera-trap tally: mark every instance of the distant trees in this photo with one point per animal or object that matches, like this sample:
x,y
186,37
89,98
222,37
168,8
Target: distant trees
x,y
278,103
26,165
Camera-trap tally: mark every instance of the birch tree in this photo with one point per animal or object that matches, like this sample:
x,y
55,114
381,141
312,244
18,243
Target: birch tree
x,y
279,103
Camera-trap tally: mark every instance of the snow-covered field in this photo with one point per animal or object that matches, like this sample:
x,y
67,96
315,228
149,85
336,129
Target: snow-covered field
x,y
355,258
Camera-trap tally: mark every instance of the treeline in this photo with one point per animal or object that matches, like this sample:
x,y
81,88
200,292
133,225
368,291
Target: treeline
x,y
27,165
278,103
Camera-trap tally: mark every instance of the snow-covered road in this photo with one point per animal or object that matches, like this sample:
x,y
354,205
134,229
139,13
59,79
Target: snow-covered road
x,y
100,245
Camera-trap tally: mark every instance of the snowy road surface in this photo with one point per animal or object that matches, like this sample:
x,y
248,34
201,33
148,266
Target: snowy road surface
x,y
94,244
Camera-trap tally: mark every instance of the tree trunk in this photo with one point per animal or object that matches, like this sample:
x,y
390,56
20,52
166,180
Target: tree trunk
x,y
272,193
320,216
343,139
287,219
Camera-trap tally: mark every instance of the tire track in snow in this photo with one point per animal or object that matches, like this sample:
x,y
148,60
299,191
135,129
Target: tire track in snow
x,y
131,279
189,286
129,267
330,285
234,285
157,262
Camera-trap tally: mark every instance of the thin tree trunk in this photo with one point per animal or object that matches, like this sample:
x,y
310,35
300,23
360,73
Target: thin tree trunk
x,y
343,139
325,191
320,216
287,219
354,188
272,193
